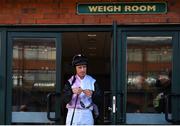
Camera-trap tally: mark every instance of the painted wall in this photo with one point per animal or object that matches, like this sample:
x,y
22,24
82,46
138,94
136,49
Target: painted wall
x,y
64,12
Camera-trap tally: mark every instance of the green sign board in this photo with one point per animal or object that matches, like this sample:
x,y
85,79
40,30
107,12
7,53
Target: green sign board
x,y
122,8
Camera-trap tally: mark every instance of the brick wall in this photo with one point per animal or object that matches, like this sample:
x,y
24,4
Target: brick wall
x,y
64,12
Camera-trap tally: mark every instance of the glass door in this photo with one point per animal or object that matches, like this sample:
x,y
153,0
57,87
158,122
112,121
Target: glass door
x,y
149,69
33,72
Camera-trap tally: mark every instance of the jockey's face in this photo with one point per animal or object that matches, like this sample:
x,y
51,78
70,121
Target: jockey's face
x,y
81,70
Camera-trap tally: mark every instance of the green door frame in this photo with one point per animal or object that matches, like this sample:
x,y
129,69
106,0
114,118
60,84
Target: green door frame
x,y
12,35
122,73
2,76
176,82
113,74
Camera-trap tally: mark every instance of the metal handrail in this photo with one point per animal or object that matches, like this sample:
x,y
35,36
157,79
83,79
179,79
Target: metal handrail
x,y
122,120
167,107
49,97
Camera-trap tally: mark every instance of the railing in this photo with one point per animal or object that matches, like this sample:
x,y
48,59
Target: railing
x,y
167,107
49,97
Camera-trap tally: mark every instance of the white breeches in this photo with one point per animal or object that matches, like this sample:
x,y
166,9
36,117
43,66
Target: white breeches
x,y
81,117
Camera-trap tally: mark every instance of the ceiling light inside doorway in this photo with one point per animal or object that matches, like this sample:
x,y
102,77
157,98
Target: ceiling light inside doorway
x,y
91,35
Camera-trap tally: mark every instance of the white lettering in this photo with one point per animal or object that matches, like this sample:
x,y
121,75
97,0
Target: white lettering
x,y
110,8
139,8
151,8
92,8
135,8
117,8
142,8
100,8
127,8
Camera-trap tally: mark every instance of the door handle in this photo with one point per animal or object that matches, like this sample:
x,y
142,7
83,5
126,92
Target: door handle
x,y
114,104
113,108
167,107
49,97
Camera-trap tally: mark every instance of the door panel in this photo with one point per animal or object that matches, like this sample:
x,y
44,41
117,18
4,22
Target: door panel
x,y
149,67
32,74
144,58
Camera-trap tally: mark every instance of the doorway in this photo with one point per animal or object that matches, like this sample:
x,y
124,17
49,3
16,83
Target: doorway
x,y
96,46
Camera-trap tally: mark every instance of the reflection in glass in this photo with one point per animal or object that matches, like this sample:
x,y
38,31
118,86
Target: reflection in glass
x,y
135,55
33,73
149,78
